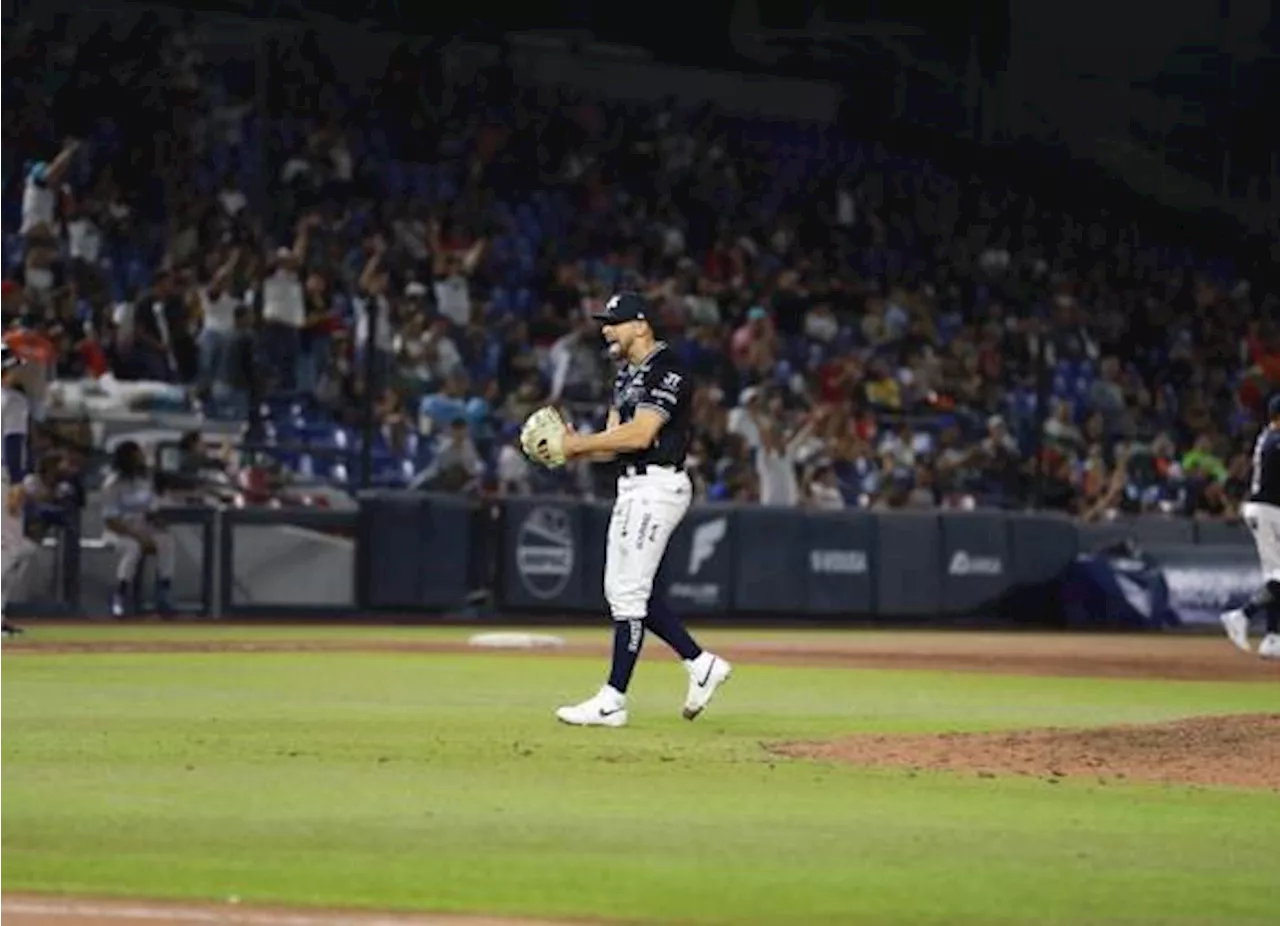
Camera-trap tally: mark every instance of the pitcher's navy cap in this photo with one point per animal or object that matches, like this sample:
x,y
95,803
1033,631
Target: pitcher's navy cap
x,y
623,307
1273,406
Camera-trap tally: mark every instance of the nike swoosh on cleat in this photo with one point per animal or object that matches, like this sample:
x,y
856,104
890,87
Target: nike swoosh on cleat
x,y
710,669
604,713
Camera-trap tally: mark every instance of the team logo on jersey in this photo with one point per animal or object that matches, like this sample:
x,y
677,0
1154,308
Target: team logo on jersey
x,y
545,551
671,381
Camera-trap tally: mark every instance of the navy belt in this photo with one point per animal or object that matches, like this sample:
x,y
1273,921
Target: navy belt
x,y
639,469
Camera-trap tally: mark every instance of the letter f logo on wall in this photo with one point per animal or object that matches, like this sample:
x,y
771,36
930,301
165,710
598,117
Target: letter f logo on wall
x,y
706,537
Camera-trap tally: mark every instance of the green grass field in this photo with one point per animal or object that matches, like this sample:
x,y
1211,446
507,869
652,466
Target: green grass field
x,y
441,782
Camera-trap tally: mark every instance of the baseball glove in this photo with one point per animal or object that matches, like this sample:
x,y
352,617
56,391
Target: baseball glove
x,y
542,437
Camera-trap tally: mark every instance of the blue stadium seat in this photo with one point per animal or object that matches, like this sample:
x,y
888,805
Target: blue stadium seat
x,y
395,183
424,182
501,300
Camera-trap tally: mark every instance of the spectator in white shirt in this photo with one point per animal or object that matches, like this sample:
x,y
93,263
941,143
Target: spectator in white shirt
x,y
231,198
513,466
822,490
39,196
217,309
428,350
742,418
85,239
284,308
776,460
452,271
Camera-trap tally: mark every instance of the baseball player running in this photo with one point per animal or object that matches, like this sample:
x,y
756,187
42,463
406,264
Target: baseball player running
x,y
1262,514
16,551
648,434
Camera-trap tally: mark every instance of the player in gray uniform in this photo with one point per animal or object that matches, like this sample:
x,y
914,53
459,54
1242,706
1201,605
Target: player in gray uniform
x,y
16,551
1262,515
129,505
648,435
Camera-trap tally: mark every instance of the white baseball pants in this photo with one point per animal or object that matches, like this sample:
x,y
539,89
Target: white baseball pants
x,y
130,551
1264,523
645,514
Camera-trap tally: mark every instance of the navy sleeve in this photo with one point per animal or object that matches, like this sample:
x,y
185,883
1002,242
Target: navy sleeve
x,y
663,389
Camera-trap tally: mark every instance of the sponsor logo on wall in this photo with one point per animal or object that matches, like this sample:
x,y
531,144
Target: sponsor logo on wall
x,y
706,539
838,562
964,563
545,552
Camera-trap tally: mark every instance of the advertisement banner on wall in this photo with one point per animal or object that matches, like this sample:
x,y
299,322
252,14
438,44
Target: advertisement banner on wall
x,y
542,563
1206,579
697,571
839,563
975,561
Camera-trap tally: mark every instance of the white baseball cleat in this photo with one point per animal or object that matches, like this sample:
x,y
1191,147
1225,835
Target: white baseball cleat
x,y
706,673
607,709
1269,648
1236,624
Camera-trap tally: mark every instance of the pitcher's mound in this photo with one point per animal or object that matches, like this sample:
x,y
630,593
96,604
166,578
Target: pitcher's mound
x,y
1241,750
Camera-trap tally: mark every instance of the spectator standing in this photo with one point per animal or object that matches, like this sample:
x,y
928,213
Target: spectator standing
x,y
40,193
317,333
452,276
776,461
373,309
574,360
744,417
283,308
217,311
243,376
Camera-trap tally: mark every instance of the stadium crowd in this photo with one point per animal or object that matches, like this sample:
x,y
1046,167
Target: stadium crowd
x,y
868,328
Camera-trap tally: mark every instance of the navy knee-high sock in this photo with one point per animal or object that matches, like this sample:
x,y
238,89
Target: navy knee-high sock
x,y
663,622
628,638
1266,600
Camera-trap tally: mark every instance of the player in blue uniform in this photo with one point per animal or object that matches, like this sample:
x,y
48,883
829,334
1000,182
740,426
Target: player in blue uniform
x,y
1262,515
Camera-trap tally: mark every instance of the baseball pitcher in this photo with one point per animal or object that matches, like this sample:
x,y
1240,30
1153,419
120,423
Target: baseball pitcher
x,y
16,551
648,434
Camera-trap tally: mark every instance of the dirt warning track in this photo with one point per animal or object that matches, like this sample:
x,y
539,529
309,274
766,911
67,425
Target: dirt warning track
x,y
36,910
